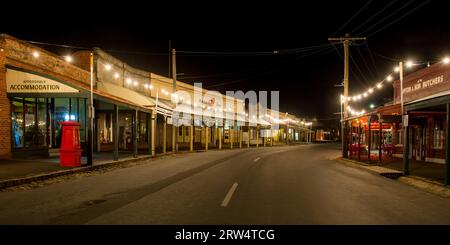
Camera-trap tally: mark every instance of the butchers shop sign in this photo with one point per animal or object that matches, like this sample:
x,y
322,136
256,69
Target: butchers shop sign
x,y
424,83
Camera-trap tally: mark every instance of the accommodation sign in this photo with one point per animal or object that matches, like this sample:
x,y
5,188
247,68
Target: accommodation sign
x,y
24,82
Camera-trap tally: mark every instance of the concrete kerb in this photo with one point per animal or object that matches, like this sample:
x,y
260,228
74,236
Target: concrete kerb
x,y
428,185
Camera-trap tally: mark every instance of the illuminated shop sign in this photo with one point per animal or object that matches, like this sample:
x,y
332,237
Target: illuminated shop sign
x,y
23,82
421,84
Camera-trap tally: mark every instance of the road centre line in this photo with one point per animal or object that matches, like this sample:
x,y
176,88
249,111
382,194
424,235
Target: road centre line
x,y
227,198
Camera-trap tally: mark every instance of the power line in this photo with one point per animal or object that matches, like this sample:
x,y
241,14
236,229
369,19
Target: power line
x,y
325,51
342,58
371,57
387,17
376,14
57,45
348,21
359,70
372,75
250,53
241,71
386,57
401,17
86,48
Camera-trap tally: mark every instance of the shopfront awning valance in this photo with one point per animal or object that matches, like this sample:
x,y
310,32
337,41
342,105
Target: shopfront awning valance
x,y
162,107
126,94
264,122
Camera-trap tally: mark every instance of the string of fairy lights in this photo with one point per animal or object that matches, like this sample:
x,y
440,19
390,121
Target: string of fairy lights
x,y
134,83
380,85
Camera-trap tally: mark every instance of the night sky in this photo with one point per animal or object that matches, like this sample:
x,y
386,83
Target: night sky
x,y
139,35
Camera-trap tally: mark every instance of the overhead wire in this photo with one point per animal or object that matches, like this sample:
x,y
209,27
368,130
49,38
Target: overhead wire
x,y
372,75
323,51
398,19
250,53
240,71
350,68
387,17
373,16
351,18
371,57
359,70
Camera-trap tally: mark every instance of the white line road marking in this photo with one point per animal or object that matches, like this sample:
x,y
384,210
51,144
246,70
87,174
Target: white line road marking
x,y
227,198
279,151
257,159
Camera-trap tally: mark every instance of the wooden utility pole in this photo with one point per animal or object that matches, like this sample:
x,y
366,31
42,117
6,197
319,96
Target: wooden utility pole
x,y
174,90
346,41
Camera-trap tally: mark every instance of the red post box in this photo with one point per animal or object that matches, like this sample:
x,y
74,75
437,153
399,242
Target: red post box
x,y
70,152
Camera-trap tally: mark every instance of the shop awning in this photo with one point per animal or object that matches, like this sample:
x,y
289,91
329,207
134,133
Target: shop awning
x,y
162,106
126,94
264,122
440,94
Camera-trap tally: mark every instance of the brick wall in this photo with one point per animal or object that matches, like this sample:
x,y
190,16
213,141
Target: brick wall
x,y
5,117
19,53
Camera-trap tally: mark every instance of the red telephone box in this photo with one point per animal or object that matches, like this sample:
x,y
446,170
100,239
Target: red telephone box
x,y
70,152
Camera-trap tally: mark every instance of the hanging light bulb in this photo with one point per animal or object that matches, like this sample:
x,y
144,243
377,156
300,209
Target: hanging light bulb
x,y
389,78
36,54
68,58
379,85
409,63
370,90
108,67
446,60
397,69
365,94
116,75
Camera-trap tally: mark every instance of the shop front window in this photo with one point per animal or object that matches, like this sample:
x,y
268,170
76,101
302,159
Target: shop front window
x,y
187,132
61,114
31,134
142,134
41,121
180,134
17,122
36,121
82,118
125,130
438,135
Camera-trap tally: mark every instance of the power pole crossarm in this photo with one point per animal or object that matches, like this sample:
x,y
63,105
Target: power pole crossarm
x,y
342,39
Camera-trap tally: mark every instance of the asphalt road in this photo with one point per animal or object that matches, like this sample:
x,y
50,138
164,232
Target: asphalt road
x,y
273,185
